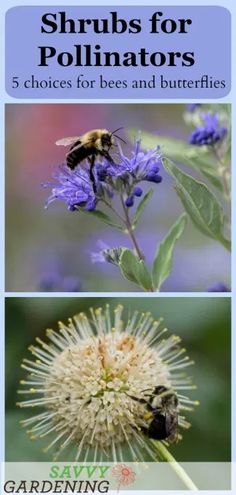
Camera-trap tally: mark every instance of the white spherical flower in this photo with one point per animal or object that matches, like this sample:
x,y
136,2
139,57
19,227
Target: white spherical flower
x,y
105,385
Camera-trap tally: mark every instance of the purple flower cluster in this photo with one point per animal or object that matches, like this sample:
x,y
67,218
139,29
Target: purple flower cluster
x,y
208,134
142,166
76,190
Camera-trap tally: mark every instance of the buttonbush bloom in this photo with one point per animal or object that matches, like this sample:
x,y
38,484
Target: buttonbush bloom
x,y
92,379
208,134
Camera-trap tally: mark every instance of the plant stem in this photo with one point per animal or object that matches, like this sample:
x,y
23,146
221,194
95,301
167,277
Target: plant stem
x,y
130,230
115,212
165,454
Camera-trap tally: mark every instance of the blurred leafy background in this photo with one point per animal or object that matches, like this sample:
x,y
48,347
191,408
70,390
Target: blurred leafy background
x,y
202,323
41,243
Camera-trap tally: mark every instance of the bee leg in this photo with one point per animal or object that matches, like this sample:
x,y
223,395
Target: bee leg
x,y
107,156
141,401
91,175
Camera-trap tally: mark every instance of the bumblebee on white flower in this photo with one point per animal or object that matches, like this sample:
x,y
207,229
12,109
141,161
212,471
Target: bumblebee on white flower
x,y
108,389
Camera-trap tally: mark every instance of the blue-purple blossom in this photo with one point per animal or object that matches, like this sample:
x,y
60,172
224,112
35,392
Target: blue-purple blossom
x,y
191,107
52,281
106,254
208,134
74,188
142,165
218,287
105,169
137,191
129,201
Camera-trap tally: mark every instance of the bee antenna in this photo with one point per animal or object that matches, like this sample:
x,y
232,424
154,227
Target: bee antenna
x,y
118,137
119,128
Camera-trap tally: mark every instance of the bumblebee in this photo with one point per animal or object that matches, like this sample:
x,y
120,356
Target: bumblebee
x,y
97,142
162,411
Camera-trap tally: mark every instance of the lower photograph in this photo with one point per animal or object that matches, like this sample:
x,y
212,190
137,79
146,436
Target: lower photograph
x,y
127,393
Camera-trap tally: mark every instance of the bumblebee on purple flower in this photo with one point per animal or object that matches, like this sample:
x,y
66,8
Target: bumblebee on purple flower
x,y
99,179
111,180
121,178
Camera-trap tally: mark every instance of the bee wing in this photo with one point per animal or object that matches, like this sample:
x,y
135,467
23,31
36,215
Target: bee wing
x,y
67,141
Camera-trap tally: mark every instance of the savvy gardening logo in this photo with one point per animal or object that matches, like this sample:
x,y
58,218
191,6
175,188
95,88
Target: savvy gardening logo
x,y
74,478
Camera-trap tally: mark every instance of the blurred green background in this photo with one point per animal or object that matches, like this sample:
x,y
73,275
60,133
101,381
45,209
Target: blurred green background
x,y
202,323
42,243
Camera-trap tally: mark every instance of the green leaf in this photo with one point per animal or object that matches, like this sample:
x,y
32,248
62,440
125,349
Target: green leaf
x,y
198,158
212,177
103,217
128,266
141,207
135,270
164,256
201,205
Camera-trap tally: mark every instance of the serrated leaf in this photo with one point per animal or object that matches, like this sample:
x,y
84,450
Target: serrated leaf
x,y
135,270
104,218
180,151
162,264
141,207
199,202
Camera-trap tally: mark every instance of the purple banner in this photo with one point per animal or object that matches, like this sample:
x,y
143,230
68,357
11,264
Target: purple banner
x,y
118,52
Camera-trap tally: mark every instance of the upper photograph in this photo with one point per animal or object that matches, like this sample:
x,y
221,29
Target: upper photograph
x,y
118,197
